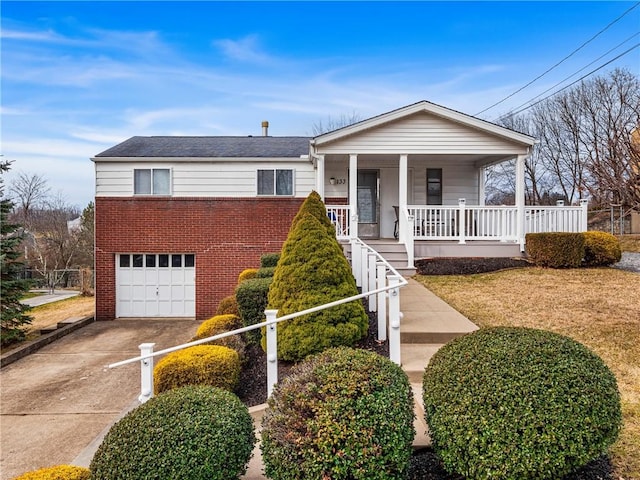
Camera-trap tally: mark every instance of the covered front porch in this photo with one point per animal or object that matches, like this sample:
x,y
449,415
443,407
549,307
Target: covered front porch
x,y
416,176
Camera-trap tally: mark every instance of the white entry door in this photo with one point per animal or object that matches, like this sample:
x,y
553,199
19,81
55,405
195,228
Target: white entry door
x,y
155,285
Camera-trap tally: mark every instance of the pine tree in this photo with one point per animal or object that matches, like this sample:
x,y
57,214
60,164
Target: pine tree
x,y
313,271
13,316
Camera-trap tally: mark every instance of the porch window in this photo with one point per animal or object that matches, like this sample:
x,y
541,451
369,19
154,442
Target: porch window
x,y
275,182
151,181
434,186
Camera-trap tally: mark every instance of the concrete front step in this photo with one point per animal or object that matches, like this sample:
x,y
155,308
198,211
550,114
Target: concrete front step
x,y
415,358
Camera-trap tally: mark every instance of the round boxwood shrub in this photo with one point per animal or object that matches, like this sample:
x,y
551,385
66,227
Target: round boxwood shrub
x,y
247,274
518,403
269,260
220,324
211,365
600,249
342,414
59,472
228,305
190,433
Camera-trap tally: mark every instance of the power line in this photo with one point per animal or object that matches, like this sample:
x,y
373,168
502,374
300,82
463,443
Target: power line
x,y
575,73
561,61
510,114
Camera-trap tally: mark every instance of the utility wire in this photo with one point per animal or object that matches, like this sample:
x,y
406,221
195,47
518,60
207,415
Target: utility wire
x,y
561,61
510,114
574,74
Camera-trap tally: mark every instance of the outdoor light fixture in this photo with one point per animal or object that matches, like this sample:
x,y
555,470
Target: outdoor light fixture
x,y
332,181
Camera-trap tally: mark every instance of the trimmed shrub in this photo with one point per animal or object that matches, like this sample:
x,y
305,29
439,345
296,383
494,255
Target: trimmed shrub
x,y
220,324
59,472
194,433
211,365
555,249
247,274
342,414
313,205
600,249
269,260
266,272
313,271
252,298
228,305
519,403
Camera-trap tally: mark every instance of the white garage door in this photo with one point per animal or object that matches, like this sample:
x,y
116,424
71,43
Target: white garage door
x,y
155,285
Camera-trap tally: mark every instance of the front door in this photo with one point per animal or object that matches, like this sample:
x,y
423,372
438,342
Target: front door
x,y
368,204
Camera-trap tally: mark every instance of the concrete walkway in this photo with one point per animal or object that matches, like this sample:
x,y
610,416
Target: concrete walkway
x,y
47,297
58,403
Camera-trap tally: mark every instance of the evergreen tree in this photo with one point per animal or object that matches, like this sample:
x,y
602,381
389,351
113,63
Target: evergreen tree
x,y
313,271
13,316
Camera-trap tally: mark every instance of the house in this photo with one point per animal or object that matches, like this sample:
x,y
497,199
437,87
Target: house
x,y
178,218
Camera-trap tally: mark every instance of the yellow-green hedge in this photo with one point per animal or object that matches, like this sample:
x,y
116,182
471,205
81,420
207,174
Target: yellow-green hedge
x,y
220,324
555,249
59,472
211,365
247,274
601,248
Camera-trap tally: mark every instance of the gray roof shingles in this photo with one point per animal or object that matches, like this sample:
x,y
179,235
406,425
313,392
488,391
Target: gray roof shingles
x,y
225,147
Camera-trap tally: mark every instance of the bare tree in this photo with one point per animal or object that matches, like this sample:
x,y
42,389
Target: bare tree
x,y
331,124
28,192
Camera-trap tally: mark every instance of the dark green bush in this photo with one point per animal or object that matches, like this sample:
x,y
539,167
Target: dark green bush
x,y
517,403
313,271
228,305
211,365
59,472
220,324
600,249
555,249
252,298
269,260
342,414
265,272
191,433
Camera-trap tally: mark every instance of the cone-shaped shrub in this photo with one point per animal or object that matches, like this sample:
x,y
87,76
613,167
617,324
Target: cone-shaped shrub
x,y
343,414
518,403
190,433
314,205
313,271
59,472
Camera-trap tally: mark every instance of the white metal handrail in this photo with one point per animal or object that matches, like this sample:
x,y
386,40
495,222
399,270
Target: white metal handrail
x,y
381,285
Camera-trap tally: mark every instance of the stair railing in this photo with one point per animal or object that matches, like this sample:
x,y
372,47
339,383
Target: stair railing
x,y
380,284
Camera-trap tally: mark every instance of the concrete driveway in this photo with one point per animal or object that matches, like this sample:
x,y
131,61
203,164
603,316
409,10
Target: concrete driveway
x,y
56,401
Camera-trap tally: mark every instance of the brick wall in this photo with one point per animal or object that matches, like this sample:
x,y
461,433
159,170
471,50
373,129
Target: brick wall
x,y
227,235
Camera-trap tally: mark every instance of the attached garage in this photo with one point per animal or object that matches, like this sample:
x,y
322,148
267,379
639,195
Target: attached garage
x,y
155,285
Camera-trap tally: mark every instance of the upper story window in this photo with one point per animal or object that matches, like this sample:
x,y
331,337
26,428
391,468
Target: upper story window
x,y
275,182
152,181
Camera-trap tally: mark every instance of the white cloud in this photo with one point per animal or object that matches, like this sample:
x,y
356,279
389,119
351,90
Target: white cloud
x,y
246,49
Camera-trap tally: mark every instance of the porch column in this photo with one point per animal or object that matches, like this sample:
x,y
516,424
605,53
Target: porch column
x,y
482,179
320,175
353,195
403,173
520,199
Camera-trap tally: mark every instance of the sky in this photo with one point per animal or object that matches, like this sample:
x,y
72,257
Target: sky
x,y
80,77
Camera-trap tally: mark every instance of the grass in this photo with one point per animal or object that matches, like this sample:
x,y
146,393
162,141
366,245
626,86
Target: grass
x,y
52,313
597,307
630,243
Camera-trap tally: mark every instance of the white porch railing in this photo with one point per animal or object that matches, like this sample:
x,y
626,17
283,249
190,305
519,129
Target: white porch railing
x,y
379,282
339,216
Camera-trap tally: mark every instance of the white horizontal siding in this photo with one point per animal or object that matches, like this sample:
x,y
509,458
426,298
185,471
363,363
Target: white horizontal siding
x,y
202,179
423,133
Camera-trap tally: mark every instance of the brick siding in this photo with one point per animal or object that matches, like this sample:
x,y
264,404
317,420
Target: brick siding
x,y
226,235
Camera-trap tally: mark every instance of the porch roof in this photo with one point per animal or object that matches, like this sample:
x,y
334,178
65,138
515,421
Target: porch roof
x,y
446,114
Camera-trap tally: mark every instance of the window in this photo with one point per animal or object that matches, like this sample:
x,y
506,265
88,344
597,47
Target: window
x,y
275,182
151,181
434,186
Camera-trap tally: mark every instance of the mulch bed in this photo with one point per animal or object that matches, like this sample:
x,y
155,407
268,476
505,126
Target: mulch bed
x,y
467,265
